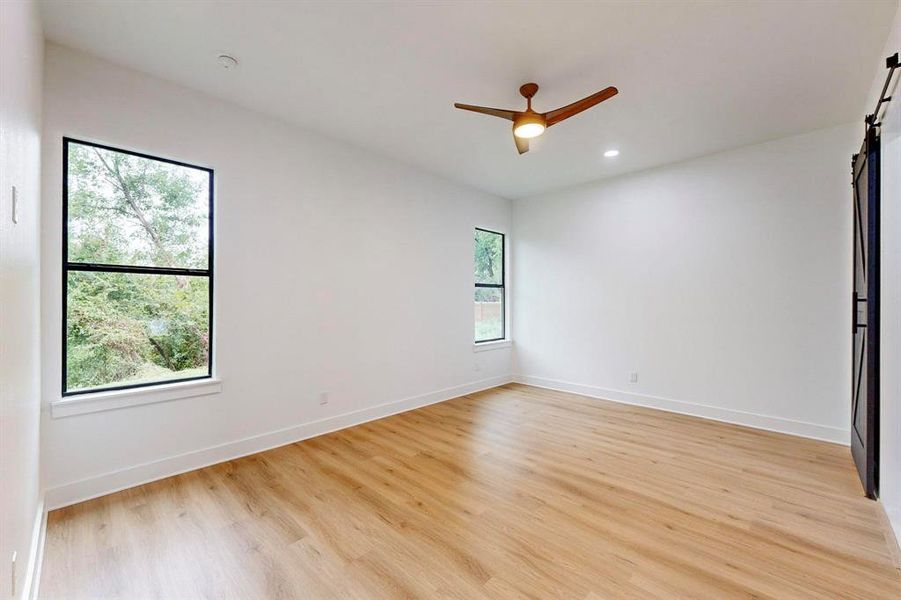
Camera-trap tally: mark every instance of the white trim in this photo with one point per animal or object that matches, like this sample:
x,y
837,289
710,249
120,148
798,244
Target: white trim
x,y
716,413
107,483
495,345
36,556
99,401
892,531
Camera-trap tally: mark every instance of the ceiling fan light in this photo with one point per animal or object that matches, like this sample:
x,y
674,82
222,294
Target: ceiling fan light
x,y
528,130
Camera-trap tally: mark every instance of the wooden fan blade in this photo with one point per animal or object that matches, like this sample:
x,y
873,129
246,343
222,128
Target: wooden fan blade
x,y
521,144
555,116
494,112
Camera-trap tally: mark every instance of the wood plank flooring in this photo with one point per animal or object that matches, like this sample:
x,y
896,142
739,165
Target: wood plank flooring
x,y
515,492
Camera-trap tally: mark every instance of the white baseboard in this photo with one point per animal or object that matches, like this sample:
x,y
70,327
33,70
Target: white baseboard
x,y
107,483
893,531
727,415
36,556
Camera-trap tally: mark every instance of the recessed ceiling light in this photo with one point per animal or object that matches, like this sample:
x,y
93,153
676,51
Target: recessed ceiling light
x,y
227,61
611,153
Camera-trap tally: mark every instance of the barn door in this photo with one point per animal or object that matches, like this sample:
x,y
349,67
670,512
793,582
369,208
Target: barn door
x,y
865,313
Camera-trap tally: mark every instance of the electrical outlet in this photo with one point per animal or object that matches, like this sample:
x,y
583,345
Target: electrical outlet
x,y
323,398
633,377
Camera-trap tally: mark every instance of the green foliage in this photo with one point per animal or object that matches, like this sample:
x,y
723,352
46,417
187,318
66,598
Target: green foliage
x,y
130,210
488,257
126,327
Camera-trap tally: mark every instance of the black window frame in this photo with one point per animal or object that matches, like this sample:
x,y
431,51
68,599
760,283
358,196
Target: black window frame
x,y
133,269
502,286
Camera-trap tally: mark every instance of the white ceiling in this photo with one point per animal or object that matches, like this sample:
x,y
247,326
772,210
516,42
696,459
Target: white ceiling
x,y
694,77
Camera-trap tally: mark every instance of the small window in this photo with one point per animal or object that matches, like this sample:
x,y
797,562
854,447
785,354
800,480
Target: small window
x,y
490,295
137,269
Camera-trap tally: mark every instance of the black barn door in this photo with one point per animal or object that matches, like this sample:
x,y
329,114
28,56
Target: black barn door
x,y
865,314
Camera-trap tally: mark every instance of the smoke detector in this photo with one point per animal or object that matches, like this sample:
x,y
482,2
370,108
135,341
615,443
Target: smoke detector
x,y
227,62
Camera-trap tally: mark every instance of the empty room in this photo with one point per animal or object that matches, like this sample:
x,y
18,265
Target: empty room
x,y
450,299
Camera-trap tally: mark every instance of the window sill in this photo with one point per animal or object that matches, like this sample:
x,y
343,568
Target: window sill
x,y
112,400
496,345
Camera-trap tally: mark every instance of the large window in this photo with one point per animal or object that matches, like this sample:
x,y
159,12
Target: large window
x,y
137,269
489,289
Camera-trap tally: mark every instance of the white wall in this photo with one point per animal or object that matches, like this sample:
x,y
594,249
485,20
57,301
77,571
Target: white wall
x,y
335,271
21,59
724,281
890,281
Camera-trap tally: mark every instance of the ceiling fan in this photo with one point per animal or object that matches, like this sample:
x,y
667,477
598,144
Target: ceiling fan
x,y
529,124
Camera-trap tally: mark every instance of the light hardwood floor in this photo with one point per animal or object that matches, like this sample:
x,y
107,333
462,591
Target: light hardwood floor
x,y
515,492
